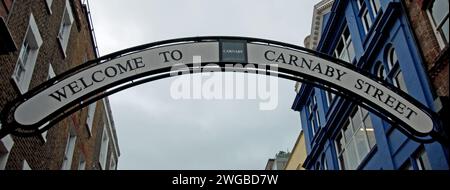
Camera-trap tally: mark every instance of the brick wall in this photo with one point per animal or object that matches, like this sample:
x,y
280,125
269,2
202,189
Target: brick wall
x,y
436,59
100,120
40,154
5,7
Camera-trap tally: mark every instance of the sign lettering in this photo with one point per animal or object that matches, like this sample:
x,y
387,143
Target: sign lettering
x,y
91,80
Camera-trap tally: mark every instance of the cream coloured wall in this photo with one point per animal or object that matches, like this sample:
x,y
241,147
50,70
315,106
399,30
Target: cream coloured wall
x,y
298,154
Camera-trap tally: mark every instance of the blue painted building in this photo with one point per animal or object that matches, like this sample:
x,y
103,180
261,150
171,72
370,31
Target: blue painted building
x,y
374,35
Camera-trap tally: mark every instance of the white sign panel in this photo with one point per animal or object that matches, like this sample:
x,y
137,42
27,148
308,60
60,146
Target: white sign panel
x,y
71,89
50,100
346,78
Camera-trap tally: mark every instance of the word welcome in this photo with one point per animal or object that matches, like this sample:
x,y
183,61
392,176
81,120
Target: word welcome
x,y
97,76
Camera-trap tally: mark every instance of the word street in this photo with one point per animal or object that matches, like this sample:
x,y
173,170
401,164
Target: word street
x,y
201,60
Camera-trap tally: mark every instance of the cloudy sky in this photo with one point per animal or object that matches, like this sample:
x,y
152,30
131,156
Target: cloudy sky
x,y
155,130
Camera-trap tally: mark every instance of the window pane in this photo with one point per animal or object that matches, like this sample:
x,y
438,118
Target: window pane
x,y
317,119
445,30
344,56
367,21
399,81
340,142
324,162
19,72
61,34
376,5
26,55
112,165
330,97
91,115
23,51
343,49
360,3
351,52
352,159
66,25
358,139
68,154
348,132
342,162
392,58
362,146
340,48
346,34
82,163
439,10
356,120
379,69
364,112
104,148
312,124
346,160
51,72
370,132
422,161
310,109
26,50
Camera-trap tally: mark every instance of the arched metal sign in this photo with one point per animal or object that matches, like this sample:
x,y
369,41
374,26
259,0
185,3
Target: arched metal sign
x,y
74,89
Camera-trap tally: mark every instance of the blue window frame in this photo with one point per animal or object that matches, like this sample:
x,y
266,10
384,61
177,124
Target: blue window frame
x,y
344,49
313,115
355,140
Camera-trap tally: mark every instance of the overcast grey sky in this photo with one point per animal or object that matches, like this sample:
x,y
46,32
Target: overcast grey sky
x,y
156,131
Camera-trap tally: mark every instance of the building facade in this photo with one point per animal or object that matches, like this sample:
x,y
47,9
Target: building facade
x,y
279,162
321,12
41,39
376,36
430,23
298,155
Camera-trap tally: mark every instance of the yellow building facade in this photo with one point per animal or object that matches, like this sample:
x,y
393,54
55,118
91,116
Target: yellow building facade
x,y
298,154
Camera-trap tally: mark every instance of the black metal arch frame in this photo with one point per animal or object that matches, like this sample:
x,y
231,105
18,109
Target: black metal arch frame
x,y
10,126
